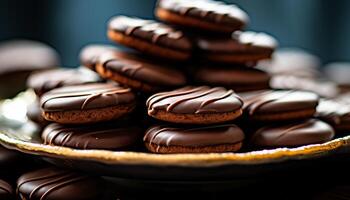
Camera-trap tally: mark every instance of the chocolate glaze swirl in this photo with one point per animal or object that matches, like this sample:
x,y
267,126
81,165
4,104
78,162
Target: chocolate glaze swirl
x,y
101,136
195,136
53,183
89,54
213,11
240,42
45,81
270,101
195,100
293,134
141,69
6,191
151,31
89,96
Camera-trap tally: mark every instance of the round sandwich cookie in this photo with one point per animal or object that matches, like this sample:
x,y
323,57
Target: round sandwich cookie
x,y
195,105
87,103
279,105
240,79
209,139
335,113
150,37
34,114
6,191
339,72
241,47
42,82
89,54
293,134
18,59
58,184
138,73
110,136
207,15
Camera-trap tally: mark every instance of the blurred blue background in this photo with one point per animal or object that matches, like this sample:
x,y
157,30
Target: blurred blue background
x,y
320,26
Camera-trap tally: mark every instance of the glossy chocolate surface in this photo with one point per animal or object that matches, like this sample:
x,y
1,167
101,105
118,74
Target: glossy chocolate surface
x,y
195,100
88,96
194,136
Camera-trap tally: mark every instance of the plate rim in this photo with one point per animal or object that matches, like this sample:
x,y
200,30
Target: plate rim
x,y
180,160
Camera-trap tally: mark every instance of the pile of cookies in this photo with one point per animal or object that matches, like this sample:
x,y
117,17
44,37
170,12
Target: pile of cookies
x,y
189,83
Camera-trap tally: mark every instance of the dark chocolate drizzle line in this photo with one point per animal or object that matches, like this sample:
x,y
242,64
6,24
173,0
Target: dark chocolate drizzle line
x,y
292,128
260,100
68,133
161,96
58,179
90,97
204,93
42,177
158,30
127,67
5,189
210,101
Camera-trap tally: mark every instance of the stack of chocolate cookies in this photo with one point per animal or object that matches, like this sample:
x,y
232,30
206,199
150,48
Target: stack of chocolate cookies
x,y
188,83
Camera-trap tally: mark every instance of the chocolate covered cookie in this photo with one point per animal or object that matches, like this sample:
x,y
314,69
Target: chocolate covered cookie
x,y
150,37
239,79
241,47
111,136
311,131
42,82
6,191
206,15
58,184
139,73
207,139
34,114
18,58
89,54
195,105
335,113
279,105
87,103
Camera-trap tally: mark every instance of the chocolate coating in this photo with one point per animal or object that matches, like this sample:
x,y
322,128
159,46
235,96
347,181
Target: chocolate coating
x,y
293,134
239,44
335,113
57,184
194,137
111,136
207,10
34,114
26,55
151,31
45,81
236,78
195,100
138,68
6,191
88,96
89,54
275,101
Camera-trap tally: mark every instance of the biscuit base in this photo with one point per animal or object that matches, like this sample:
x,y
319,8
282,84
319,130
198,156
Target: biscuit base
x,y
132,83
175,18
148,47
292,115
205,118
199,149
88,116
